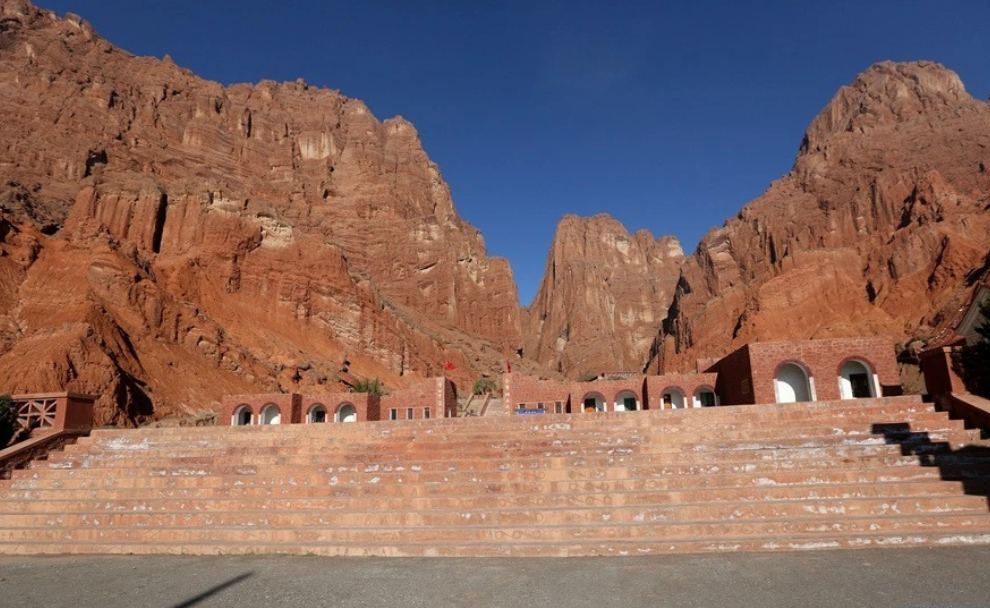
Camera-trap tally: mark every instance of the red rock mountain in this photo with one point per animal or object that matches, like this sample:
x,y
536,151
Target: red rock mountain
x,y
884,217
165,240
603,295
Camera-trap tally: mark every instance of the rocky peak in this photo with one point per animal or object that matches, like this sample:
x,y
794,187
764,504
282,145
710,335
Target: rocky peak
x,y
215,238
885,95
874,231
602,297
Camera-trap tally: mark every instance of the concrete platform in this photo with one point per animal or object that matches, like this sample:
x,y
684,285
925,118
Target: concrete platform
x,y
944,577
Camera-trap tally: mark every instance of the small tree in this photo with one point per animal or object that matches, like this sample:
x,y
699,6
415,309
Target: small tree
x,y
484,385
372,387
8,420
975,359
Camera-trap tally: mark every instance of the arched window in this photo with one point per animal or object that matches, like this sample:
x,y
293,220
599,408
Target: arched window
x,y
317,414
792,384
270,414
626,401
673,399
346,413
242,416
856,380
594,402
705,397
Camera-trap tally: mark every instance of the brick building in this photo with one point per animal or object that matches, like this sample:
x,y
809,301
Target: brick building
x,y
767,372
433,397
636,392
807,370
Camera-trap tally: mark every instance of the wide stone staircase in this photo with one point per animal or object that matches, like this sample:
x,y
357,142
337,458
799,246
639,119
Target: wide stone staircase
x,y
882,472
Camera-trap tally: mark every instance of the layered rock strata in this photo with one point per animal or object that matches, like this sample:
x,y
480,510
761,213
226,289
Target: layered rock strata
x,y
170,239
877,229
603,295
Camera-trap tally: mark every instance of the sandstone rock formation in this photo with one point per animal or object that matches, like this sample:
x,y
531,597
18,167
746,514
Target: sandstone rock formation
x,y
603,295
884,217
167,240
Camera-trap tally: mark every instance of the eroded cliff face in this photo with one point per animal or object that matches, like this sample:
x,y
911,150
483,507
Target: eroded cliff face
x,y
167,240
603,295
884,217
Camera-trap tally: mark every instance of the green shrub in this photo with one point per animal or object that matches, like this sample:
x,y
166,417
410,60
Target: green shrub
x,y
484,385
372,387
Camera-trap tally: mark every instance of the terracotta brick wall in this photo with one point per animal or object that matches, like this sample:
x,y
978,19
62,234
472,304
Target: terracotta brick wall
x,y
940,376
734,384
748,374
449,399
365,405
288,405
437,394
688,384
823,360
530,391
609,390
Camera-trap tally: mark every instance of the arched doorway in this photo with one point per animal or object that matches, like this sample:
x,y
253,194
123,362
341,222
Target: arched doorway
x,y
705,397
792,384
270,414
346,413
856,381
594,402
317,414
673,399
626,401
242,416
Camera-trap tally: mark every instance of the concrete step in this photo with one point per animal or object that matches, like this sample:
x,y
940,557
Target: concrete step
x,y
764,528
930,431
866,473
483,470
263,498
495,515
345,482
516,548
300,437
566,454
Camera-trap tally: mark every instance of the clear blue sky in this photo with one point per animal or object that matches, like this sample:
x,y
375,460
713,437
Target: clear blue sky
x,y
669,116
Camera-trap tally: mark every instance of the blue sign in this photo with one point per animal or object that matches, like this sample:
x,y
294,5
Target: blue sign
x,y
530,412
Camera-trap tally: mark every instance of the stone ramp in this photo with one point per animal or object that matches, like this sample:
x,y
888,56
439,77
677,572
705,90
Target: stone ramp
x,y
881,472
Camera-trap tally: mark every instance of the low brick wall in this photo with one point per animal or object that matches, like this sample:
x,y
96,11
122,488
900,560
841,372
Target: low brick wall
x,y
972,409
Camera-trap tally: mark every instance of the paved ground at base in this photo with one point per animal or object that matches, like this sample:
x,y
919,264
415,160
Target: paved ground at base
x,y
941,577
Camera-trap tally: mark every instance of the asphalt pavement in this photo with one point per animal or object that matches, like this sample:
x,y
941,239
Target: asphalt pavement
x,y
942,577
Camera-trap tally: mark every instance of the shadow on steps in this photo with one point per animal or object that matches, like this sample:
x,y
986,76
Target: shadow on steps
x,y
969,464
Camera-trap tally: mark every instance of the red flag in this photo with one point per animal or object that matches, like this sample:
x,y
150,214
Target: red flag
x,y
508,366
448,366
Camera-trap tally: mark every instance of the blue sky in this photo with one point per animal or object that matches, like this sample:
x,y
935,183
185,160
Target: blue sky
x,y
667,115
